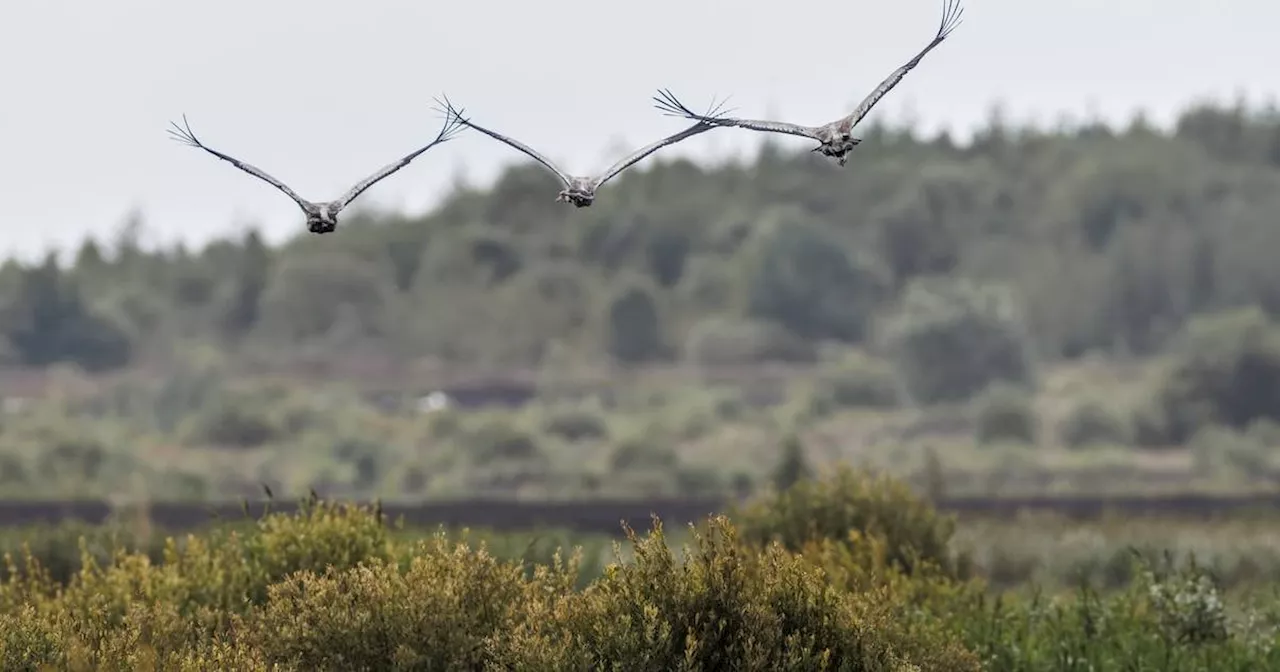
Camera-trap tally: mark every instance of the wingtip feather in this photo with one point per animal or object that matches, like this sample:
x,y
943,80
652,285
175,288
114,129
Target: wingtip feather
x,y
952,11
183,133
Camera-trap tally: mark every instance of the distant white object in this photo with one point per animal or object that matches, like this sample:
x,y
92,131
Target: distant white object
x,y
436,401
14,405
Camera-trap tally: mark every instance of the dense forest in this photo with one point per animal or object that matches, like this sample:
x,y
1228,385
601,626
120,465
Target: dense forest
x,y
944,267
1088,239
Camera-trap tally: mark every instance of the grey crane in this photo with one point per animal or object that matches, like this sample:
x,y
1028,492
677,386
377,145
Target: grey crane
x,y
581,190
321,217
835,139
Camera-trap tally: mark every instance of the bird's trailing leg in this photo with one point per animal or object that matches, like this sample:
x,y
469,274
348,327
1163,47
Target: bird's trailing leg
x,y
575,197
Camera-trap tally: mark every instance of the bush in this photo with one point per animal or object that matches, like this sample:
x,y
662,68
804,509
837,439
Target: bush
x,y
325,589
1265,431
720,609
61,549
1092,423
639,453
857,382
576,424
1216,448
332,588
792,467
311,297
847,501
1165,620
1226,372
1152,428
442,612
232,420
635,326
1004,413
800,277
500,439
951,340
719,341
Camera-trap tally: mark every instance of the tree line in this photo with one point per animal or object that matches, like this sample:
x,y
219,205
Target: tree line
x,y
1019,248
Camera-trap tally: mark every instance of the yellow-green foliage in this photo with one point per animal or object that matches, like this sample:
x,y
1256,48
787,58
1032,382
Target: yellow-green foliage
x,y
870,586
723,607
444,611
329,589
911,530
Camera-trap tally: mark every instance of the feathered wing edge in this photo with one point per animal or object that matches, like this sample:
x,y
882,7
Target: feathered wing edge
x,y
186,136
453,113
453,124
705,122
672,107
951,13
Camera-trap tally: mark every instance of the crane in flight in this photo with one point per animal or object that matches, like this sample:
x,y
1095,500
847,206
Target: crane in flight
x,y
322,217
836,138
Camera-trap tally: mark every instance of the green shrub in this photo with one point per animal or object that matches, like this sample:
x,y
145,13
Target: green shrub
x,y
858,381
1265,431
847,500
1226,372
1092,423
1152,427
231,420
576,424
640,453
951,340
635,328
1216,448
442,612
722,608
846,573
722,341
1004,413
327,297
792,466
338,596
1173,621
60,549
500,439
797,275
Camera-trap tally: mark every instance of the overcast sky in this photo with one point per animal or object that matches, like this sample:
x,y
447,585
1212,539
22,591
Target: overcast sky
x,y
321,93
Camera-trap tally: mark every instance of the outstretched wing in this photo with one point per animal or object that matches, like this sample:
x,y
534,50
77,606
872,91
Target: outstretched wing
x,y
520,146
452,124
184,135
705,123
672,107
951,11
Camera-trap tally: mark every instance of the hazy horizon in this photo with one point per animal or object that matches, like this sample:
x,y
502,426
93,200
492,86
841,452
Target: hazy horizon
x,y
322,103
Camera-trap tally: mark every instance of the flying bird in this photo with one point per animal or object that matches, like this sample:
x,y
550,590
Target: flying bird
x,y
835,138
321,217
581,190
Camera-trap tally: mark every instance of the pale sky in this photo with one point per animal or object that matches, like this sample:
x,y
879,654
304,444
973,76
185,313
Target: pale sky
x,y
321,93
